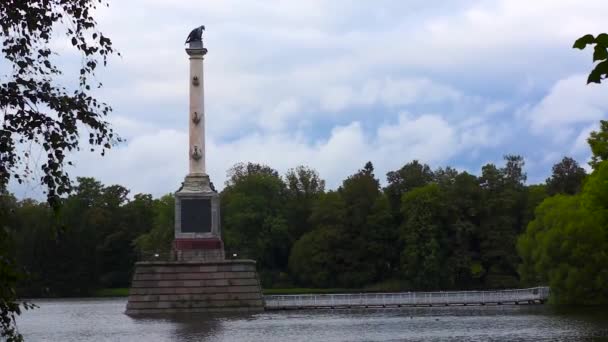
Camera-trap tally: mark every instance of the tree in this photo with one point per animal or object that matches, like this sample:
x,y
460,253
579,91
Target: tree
x,y
158,239
364,254
565,245
315,258
34,241
567,178
381,239
535,194
253,216
598,141
9,273
303,188
84,222
359,192
34,106
10,308
424,235
502,220
353,242
600,54
463,210
513,171
407,178
242,170
114,251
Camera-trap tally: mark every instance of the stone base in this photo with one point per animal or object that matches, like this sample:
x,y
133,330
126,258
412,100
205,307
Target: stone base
x,y
198,250
194,286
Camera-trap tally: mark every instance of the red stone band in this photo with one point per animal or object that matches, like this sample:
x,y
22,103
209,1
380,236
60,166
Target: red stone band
x,y
185,244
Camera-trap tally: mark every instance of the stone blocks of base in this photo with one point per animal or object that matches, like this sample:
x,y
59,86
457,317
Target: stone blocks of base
x,y
194,286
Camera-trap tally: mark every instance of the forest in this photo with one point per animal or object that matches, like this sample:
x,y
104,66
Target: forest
x,y
425,230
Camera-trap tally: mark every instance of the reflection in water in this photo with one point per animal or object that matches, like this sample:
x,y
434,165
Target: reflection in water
x,y
103,320
192,325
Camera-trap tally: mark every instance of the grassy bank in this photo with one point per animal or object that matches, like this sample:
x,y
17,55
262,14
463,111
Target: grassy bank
x,y
387,286
124,292
117,292
290,291
390,285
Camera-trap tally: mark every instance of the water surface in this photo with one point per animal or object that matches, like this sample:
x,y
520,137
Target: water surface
x,y
103,320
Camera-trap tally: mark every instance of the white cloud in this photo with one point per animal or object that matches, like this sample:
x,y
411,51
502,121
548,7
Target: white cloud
x,y
276,118
336,54
580,146
570,101
344,70
156,160
152,162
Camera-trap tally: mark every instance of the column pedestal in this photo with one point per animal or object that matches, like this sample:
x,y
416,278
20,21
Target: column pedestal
x,y
197,221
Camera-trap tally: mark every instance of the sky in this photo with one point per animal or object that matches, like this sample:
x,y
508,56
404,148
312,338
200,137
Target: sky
x,y
332,84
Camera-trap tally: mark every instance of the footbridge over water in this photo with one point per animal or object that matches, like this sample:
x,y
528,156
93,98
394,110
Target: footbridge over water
x,y
535,295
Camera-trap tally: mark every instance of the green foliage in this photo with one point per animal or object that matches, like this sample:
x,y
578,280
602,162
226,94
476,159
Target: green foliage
x,y
457,231
253,215
535,194
241,171
598,141
366,223
407,178
313,260
600,55
441,233
463,202
114,292
9,274
88,244
37,109
10,308
40,112
158,240
566,245
303,188
350,244
423,233
567,178
502,219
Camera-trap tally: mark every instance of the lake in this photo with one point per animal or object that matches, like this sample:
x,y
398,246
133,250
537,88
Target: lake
x,y
103,320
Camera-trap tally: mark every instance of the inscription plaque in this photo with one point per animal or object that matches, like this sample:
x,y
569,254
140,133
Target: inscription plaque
x,y
196,215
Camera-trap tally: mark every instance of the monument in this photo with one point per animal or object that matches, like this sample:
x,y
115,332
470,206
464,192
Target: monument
x,y
197,205
197,277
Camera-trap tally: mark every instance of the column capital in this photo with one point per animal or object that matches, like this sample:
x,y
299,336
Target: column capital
x,y
196,52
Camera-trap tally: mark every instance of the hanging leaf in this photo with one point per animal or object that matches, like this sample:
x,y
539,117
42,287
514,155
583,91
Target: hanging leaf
x,y
583,41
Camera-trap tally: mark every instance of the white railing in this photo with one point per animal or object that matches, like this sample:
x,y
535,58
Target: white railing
x,y
535,294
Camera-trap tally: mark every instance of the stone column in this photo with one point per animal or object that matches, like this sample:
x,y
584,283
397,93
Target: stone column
x,y
196,152
197,205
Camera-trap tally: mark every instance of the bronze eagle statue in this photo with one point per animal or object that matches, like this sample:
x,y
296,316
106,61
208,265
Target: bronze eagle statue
x,y
196,35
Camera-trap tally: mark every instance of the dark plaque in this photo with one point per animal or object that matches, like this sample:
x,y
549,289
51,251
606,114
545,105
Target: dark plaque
x,y
196,215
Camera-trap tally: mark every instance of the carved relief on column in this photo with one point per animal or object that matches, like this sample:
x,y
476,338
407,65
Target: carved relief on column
x,y
196,118
196,153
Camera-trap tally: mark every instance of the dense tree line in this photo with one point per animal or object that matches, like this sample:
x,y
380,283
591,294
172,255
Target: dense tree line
x,y
88,244
425,230
566,245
